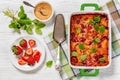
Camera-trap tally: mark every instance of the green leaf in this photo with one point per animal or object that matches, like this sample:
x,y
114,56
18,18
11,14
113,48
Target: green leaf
x,y
31,26
74,53
96,27
22,8
29,30
92,22
93,50
38,30
12,25
97,19
49,63
102,29
102,59
24,27
21,13
35,21
78,30
38,23
81,46
96,40
83,57
24,21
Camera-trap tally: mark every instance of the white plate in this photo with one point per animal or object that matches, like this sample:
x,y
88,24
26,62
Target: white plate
x,y
26,67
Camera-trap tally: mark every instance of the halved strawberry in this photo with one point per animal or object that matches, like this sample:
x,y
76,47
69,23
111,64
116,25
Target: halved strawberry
x,y
25,57
23,43
31,60
29,51
21,61
32,42
36,55
16,50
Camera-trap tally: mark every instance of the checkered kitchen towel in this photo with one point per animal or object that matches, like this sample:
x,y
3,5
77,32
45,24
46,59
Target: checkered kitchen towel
x,y
113,7
67,72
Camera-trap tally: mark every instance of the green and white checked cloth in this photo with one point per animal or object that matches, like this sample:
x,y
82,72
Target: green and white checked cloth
x,y
67,72
113,7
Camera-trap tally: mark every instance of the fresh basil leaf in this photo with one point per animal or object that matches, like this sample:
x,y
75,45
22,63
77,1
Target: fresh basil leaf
x,y
97,19
83,57
24,21
35,21
81,46
22,8
96,27
31,26
96,40
29,30
12,25
21,13
74,53
93,50
49,63
24,27
38,30
41,25
92,22
102,59
78,30
38,23
102,29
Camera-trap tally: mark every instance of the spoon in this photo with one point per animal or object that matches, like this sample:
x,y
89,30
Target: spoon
x,y
41,10
59,36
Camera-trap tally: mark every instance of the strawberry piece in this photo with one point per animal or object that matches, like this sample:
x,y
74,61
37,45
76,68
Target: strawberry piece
x,y
21,61
16,50
23,43
36,55
89,27
29,51
31,60
25,57
32,42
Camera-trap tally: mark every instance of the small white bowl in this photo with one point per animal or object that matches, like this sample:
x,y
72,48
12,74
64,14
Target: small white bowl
x,y
48,21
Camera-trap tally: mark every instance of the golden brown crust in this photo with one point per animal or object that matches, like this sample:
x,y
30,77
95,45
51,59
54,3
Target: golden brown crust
x,y
89,43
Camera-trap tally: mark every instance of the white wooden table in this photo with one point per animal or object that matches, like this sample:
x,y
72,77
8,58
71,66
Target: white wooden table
x,y
7,70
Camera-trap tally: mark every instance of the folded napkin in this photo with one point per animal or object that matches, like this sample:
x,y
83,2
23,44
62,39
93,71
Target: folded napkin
x,y
68,72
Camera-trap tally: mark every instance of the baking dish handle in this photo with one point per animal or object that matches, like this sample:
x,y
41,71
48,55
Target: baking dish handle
x,y
89,5
84,73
